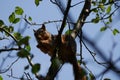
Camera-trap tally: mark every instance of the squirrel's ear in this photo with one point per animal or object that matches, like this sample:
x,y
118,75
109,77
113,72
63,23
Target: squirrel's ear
x,y
43,27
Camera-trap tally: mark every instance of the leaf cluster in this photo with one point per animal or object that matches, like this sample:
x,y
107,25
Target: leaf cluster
x,y
13,17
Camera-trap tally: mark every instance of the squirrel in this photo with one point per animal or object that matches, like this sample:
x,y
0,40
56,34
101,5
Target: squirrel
x,y
47,44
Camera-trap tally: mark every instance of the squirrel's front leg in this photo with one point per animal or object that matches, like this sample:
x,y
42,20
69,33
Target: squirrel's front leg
x,y
42,48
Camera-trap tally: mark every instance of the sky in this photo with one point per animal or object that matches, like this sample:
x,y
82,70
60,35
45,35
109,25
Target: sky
x,y
47,11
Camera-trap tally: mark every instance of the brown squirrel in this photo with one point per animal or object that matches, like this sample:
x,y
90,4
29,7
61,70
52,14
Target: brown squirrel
x,y
47,44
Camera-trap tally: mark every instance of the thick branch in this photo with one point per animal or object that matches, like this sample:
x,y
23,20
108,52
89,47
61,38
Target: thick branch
x,y
53,70
82,17
65,17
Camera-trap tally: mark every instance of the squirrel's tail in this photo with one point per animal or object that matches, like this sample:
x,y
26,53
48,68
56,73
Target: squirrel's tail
x,y
79,73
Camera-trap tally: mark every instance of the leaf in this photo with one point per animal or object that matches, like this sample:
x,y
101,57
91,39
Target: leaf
x,y
30,19
103,29
94,3
96,20
115,31
12,17
37,2
24,41
6,28
17,35
92,77
107,79
103,1
19,10
110,19
95,10
23,53
11,29
16,20
1,23
35,68
108,10
111,1
1,77
28,48
68,32
101,5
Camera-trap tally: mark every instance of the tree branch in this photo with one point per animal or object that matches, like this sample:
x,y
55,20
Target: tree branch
x,y
9,34
31,64
53,70
82,17
9,66
11,49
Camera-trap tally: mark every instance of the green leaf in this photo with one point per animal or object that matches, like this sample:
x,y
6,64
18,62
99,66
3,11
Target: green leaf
x,y
35,68
24,41
95,10
96,20
111,1
1,77
17,35
103,1
1,23
103,29
12,17
101,5
6,28
110,19
30,19
16,20
115,31
19,10
23,53
108,10
68,32
28,48
37,2
11,29
92,77
94,3
107,79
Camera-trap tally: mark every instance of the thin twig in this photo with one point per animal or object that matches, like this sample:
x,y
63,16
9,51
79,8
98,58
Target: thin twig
x,y
9,34
9,66
31,64
93,55
47,22
80,36
28,76
11,49
77,3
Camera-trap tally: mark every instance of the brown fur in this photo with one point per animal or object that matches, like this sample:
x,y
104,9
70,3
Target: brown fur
x,y
67,52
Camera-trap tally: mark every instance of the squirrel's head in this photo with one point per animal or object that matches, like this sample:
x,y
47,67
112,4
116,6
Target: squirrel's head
x,y
41,33
40,29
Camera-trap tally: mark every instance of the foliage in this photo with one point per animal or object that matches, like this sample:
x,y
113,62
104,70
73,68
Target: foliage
x,y
35,68
1,77
37,2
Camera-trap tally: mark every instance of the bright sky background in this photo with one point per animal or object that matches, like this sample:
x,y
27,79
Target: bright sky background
x,y
47,11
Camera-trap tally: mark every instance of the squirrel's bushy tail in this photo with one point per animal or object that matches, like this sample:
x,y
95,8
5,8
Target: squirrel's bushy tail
x,y
78,71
